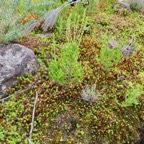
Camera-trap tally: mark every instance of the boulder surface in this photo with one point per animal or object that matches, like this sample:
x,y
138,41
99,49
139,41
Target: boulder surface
x,y
138,2
15,60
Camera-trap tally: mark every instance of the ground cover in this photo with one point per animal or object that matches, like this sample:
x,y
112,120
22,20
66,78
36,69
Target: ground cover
x,y
103,105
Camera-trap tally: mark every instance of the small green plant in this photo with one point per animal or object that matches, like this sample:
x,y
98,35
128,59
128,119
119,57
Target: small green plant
x,y
131,96
109,57
65,68
89,94
75,27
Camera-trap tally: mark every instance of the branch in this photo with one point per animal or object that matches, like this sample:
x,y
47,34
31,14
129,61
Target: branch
x,y
33,116
19,92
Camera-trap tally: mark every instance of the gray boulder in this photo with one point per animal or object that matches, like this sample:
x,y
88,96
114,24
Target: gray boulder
x,y
15,60
138,2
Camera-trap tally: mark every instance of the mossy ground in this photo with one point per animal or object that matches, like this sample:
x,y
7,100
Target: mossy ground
x,y
61,115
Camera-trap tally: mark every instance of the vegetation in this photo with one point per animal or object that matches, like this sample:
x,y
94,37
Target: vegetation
x,y
65,69
12,14
87,93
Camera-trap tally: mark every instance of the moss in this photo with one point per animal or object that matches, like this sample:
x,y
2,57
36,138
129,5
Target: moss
x,y
61,114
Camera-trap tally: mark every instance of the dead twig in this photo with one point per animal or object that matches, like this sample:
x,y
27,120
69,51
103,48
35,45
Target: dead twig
x,y
33,116
19,92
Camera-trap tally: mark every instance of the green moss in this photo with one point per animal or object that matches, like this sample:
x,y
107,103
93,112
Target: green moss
x,y
61,114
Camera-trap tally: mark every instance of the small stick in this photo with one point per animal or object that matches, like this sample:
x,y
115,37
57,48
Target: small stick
x,y
19,92
132,40
33,116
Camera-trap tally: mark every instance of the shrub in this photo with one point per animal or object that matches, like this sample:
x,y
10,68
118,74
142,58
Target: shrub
x,y
109,57
65,68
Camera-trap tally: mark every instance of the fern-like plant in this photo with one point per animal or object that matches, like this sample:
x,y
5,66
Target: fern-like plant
x,y
133,92
75,27
65,68
109,57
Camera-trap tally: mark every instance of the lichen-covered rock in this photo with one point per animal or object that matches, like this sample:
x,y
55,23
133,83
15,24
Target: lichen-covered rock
x,y
15,60
138,2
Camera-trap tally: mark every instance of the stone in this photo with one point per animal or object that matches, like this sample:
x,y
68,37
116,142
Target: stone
x,y
113,44
138,2
15,60
129,5
127,50
122,6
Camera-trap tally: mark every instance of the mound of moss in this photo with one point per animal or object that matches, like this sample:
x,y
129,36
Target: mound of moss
x,y
62,114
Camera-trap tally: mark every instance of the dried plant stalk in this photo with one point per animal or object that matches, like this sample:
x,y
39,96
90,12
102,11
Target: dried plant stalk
x,y
50,17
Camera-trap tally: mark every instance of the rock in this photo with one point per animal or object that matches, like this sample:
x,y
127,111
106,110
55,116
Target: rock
x,y
138,2
113,44
127,50
122,6
129,5
120,78
15,60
